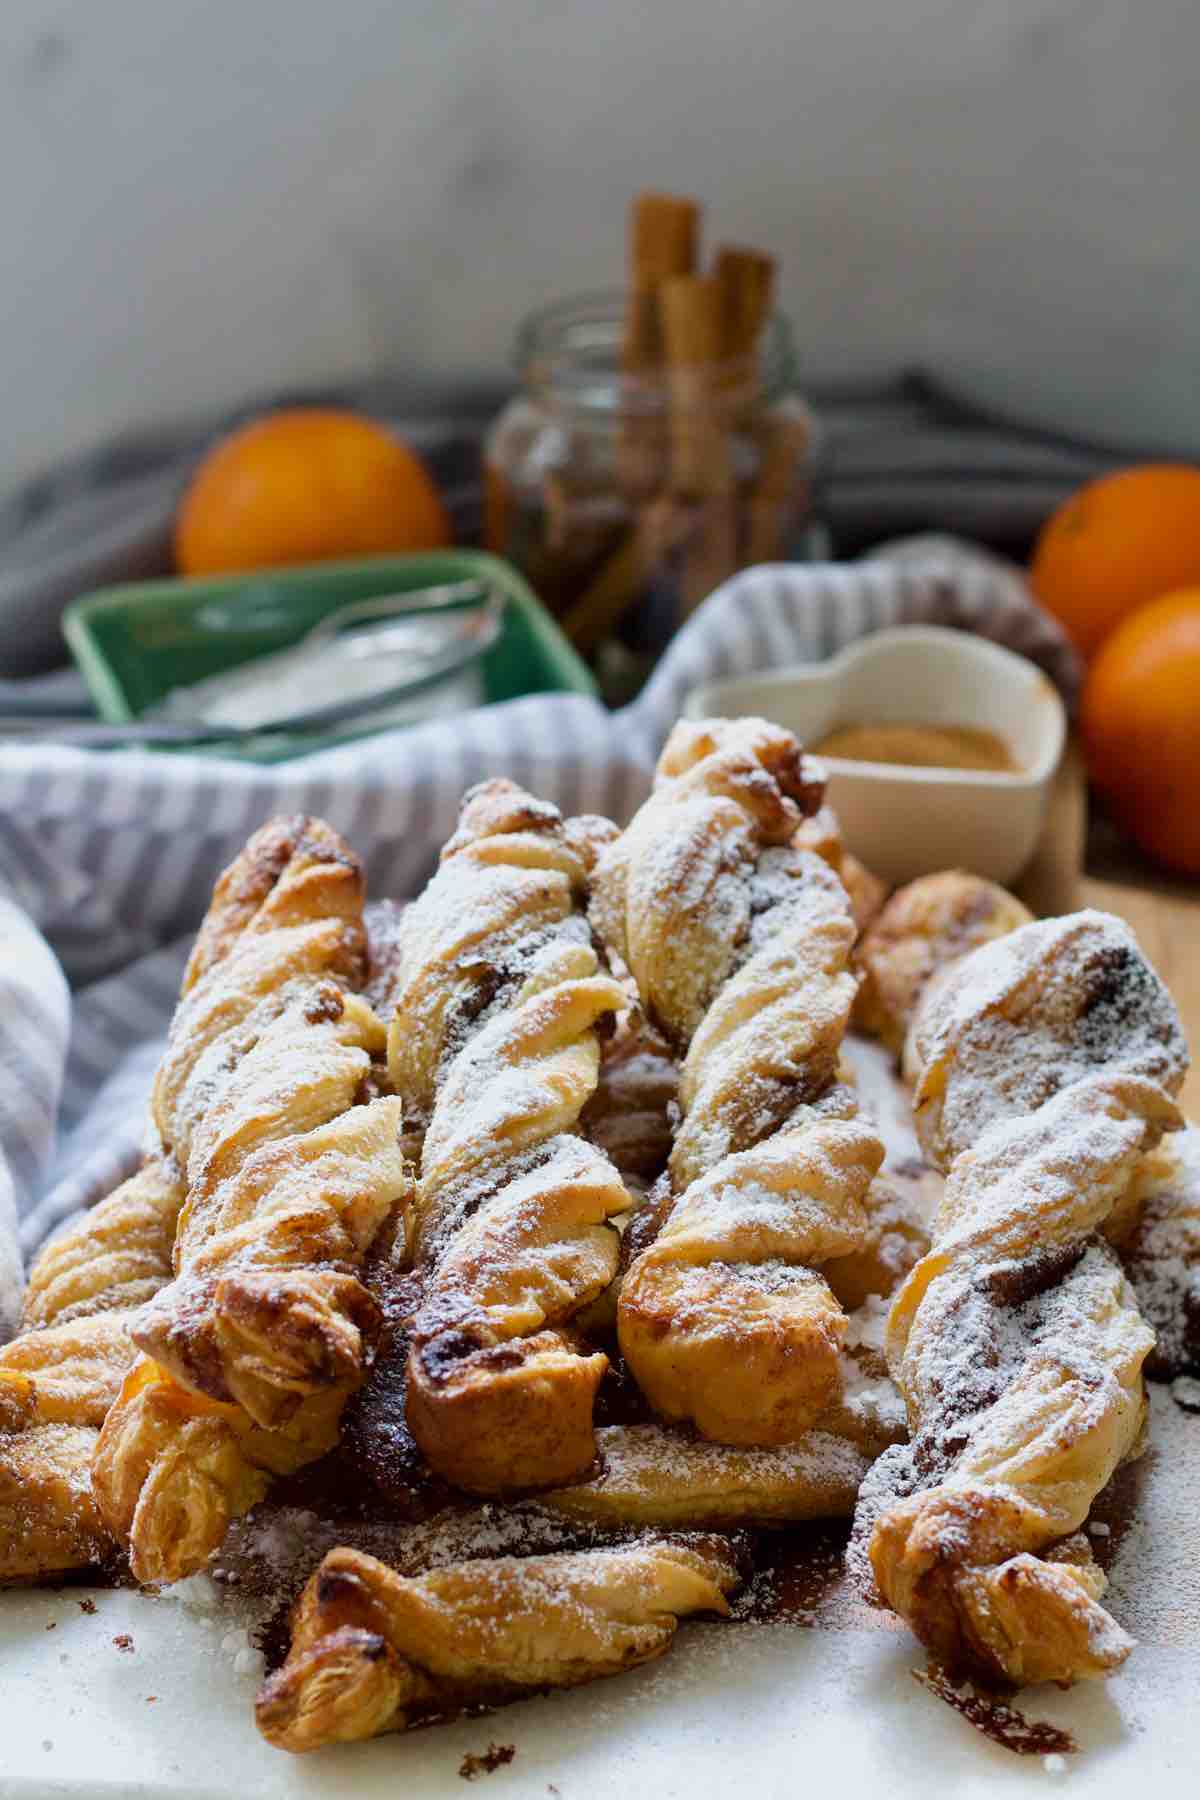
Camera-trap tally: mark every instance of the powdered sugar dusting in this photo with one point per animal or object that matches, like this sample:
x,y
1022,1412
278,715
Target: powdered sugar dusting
x,y
1163,1254
1026,1016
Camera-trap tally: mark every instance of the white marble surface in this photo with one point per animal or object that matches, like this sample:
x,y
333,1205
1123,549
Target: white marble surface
x,y
775,1711
208,197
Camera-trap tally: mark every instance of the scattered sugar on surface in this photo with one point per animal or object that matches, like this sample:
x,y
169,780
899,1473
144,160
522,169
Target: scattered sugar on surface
x,y
1151,1553
1185,1391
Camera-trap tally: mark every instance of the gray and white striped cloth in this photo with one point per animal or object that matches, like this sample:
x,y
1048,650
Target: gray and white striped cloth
x,y
107,860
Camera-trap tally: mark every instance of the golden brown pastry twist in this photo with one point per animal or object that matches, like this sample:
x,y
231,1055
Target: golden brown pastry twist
x,y
740,944
723,1318
823,835
921,930
1156,1225
285,915
60,1375
1047,1005
1017,1342
289,1180
495,1038
651,1475
116,1257
374,1651
675,893
291,1170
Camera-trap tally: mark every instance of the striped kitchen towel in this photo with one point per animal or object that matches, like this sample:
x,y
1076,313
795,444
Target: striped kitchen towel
x,y
107,860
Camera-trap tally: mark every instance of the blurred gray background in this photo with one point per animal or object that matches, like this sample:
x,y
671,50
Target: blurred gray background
x,y
204,199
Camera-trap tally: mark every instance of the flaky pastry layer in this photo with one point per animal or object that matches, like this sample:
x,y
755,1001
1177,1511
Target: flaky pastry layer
x,y
495,1032
61,1374
1016,1340
373,1651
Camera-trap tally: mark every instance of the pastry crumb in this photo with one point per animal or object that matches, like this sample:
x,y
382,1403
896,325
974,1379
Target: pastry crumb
x,y
494,1757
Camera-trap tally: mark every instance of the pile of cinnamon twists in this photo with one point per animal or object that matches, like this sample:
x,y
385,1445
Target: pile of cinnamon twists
x,y
599,1117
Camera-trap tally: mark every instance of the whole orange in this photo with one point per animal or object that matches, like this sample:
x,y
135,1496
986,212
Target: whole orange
x,y
1140,720
304,485
1115,544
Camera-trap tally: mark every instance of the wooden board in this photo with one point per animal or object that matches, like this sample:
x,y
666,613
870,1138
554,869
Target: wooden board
x,y
1164,913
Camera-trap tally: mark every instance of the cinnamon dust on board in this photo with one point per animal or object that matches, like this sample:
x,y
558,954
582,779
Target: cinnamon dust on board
x,y
995,1718
487,1761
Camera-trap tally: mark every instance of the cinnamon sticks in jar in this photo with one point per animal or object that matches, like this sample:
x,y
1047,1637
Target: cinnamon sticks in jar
x,y
704,460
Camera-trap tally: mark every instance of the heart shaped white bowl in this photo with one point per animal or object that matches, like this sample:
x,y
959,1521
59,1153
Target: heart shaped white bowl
x,y
904,822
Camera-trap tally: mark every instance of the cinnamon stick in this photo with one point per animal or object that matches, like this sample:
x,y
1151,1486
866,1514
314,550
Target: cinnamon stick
x,y
693,334
701,458
660,528
663,232
747,282
783,447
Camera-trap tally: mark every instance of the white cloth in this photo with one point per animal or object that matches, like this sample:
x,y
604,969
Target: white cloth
x,y
106,860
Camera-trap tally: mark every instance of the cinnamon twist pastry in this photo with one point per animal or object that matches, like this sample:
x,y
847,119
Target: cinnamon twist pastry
x,y
1049,1058
115,1258
822,834
1047,1005
494,1039
740,944
60,1375
675,894
289,1180
921,930
649,1475
373,1651
723,1319
292,1168
173,1469
1156,1224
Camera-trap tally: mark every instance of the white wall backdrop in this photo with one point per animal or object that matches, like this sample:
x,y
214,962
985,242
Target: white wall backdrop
x,y
202,198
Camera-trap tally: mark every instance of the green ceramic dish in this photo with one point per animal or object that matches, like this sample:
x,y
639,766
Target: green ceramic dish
x,y
137,642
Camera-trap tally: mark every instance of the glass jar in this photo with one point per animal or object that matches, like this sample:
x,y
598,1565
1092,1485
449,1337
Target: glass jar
x,y
625,498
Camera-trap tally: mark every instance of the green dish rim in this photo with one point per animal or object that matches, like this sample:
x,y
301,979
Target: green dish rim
x,y
104,683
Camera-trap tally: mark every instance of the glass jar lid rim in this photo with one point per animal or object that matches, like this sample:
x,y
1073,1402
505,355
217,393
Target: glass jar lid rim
x,y
544,338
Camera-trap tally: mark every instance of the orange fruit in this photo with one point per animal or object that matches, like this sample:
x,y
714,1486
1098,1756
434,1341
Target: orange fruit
x,y
1140,719
1117,543
301,486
